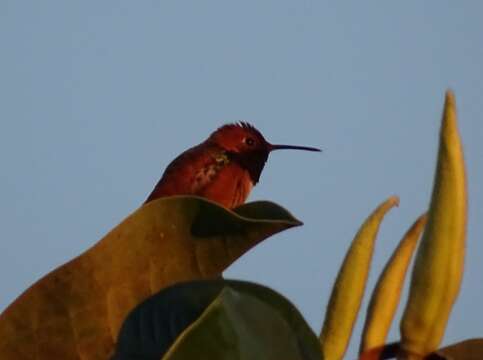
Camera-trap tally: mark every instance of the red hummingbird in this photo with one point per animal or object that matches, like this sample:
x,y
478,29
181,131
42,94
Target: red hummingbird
x,y
223,168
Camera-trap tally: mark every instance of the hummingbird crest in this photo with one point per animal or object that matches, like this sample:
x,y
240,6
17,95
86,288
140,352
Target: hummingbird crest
x,y
223,168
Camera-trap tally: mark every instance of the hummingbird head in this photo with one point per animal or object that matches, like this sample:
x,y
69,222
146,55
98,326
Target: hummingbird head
x,y
248,146
240,138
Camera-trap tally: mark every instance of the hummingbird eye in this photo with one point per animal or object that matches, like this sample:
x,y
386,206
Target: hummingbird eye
x,y
249,141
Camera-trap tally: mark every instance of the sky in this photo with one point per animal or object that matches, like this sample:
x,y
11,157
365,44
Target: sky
x,y
97,97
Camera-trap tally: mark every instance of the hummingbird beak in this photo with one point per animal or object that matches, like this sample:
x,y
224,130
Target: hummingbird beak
x,y
291,147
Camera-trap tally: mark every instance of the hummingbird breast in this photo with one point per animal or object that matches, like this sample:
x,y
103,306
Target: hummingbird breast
x,y
230,186
206,171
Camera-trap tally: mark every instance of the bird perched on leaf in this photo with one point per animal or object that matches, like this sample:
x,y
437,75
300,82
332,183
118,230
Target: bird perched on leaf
x,y
223,168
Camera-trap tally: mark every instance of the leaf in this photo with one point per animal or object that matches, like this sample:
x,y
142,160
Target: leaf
x,y
471,349
439,264
387,292
217,319
76,310
349,287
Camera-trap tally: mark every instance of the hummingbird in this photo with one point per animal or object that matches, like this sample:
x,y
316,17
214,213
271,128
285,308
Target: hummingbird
x,y
224,168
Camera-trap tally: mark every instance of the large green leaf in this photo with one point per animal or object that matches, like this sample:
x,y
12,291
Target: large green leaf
x,y
75,312
217,319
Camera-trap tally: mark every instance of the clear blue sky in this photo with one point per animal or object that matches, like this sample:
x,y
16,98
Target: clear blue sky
x,y
97,97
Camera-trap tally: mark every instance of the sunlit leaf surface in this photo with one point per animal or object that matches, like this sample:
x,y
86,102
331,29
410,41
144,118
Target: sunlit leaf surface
x,y
75,311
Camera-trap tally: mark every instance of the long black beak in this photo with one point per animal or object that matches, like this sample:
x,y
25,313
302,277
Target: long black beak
x,y
292,147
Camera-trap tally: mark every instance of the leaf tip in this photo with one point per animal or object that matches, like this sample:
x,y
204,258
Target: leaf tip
x,y
449,113
393,201
450,98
